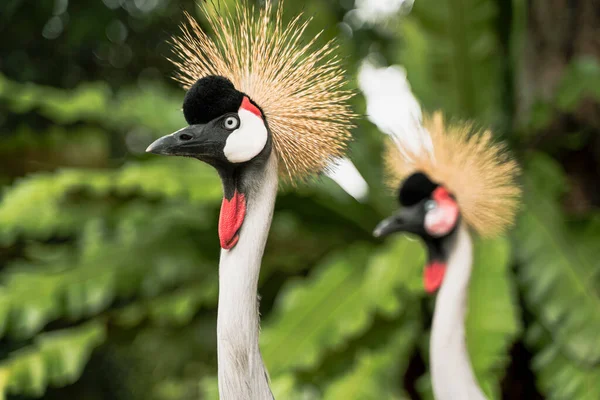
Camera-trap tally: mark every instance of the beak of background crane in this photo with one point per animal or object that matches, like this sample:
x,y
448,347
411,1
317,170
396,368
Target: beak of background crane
x,y
192,141
405,220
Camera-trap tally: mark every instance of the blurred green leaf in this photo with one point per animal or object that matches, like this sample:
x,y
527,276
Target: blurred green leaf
x,y
581,80
493,322
152,106
36,205
451,54
56,359
374,374
556,271
336,303
559,376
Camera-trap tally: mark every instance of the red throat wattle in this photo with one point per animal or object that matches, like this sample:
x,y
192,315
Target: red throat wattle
x,y
434,276
231,219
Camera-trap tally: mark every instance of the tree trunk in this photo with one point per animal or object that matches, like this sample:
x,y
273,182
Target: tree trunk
x,y
559,32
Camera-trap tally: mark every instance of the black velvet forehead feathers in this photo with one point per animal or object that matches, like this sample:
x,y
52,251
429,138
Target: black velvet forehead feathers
x,y
209,98
415,188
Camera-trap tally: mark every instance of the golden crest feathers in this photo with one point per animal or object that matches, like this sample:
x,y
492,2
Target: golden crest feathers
x,y
299,86
477,170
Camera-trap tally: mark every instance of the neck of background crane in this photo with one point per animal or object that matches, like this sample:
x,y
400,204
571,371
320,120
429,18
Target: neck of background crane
x,y
451,371
242,374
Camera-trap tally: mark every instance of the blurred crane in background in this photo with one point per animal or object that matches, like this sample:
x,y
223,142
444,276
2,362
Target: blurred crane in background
x,y
255,106
461,179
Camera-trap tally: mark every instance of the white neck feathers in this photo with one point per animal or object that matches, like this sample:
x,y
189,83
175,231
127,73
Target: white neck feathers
x,y
242,374
451,371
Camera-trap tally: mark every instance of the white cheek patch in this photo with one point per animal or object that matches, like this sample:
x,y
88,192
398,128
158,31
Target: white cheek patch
x,y
248,140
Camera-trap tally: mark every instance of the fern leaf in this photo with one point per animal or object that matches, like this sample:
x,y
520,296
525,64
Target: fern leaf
x,y
556,267
35,205
78,286
560,377
493,321
176,308
336,303
56,359
375,373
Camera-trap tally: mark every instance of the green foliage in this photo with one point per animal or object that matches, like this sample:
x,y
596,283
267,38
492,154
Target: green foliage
x,y
493,322
36,205
151,105
303,323
567,266
451,47
82,286
580,82
557,274
558,375
55,358
338,303
374,373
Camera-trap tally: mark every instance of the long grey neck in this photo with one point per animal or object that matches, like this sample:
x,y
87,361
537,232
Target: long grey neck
x,y
451,371
242,374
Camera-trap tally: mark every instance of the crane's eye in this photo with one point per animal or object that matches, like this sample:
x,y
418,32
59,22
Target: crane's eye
x,y
231,122
430,205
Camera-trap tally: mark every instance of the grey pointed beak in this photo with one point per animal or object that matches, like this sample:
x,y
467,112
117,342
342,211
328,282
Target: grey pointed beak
x,y
163,145
385,227
405,220
192,141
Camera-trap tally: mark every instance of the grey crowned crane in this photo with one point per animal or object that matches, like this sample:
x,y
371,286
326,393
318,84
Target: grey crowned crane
x,y
460,179
260,104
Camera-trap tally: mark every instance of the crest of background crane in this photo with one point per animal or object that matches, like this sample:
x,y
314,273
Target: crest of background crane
x,y
470,164
467,161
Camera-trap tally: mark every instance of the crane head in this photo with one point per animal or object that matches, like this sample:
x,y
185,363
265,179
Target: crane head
x,y
226,130
225,127
298,82
458,174
430,211
256,67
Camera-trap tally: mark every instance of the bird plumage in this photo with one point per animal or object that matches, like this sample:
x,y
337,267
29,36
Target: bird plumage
x,y
299,86
449,178
475,169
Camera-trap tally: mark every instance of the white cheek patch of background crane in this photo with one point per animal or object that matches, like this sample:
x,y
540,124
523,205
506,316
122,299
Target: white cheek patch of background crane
x,y
248,140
